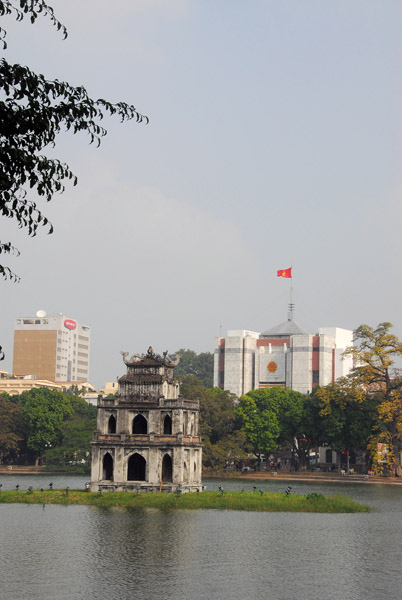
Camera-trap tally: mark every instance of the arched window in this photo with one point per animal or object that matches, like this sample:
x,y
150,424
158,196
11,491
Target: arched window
x,y
167,470
136,468
167,425
328,456
107,467
185,474
140,425
185,424
195,467
111,427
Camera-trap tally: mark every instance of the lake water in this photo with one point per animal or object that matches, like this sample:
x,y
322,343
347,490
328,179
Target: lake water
x,y
82,552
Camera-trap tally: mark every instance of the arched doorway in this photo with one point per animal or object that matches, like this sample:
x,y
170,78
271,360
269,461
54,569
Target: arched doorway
x,y
167,425
136,468
167,470
140,425
107,467
328,456
111,427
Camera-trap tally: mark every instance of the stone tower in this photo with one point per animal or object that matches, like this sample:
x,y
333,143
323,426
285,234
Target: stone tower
x,y
147,435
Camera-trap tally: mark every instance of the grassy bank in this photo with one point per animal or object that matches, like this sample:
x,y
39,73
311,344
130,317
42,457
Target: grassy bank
x,y
251,501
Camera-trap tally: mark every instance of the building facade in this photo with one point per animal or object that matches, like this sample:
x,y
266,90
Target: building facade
x,y
14,386
147,435
54,347
286,355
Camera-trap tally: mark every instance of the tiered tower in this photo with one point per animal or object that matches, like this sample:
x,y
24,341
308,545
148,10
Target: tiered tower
x,y
147,435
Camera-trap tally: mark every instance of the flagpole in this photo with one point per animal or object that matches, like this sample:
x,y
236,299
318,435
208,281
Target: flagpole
x,y
291,303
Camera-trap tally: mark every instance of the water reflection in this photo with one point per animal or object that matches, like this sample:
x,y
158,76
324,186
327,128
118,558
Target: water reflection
x,y
79,552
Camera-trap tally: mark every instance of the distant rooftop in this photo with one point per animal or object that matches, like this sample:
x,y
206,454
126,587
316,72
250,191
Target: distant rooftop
x,y
289,327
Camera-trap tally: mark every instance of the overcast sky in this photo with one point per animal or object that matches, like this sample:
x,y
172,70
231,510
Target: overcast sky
x,y
274,140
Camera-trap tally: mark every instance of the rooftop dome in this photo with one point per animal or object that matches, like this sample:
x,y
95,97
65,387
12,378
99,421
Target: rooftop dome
x,y
285,329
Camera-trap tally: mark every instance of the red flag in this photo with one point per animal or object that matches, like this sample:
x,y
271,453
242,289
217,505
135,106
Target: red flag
x,y
285,273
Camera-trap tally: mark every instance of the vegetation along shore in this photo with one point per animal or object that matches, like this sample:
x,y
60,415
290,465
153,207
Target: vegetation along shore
x,y
249,501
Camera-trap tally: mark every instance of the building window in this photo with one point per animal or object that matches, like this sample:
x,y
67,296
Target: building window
x,y
167,469
111,428
140,425
167,425
136,468
107,467
316,377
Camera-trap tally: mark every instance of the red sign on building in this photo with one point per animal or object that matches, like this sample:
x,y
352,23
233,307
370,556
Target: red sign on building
x,y
70,324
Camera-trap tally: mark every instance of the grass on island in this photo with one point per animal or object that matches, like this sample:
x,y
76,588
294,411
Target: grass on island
x,y
250,501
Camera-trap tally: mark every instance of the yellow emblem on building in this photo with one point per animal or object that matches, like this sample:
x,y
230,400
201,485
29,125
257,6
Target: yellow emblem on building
x,y
272,366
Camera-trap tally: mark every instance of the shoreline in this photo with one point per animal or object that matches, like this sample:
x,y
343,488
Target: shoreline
x,y
31,470
304,476
311,477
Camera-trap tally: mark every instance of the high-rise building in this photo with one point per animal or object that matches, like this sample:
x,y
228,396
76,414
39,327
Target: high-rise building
x,y
53,347
286,356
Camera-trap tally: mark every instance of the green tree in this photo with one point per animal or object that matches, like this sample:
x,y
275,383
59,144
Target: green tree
x,y
33,111
259,422
44,412
198,365
347,417
272,418
191,387
11,427
374,356
77,431
223,443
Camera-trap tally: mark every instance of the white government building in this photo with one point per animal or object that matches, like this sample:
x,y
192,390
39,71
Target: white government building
x,y
286,355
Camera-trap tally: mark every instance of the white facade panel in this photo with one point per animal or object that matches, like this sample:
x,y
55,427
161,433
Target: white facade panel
x,y
302,363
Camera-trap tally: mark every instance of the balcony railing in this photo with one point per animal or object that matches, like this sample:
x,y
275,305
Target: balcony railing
x,y
150,437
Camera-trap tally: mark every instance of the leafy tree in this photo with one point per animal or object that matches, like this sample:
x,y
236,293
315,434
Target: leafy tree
x,y
191,387
218,417
272,418
223,442
33,111
347,417
230,451
76,435
44,412
10,427
259,422
374,356
198,365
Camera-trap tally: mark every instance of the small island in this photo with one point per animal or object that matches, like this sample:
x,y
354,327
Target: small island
x,y
248,500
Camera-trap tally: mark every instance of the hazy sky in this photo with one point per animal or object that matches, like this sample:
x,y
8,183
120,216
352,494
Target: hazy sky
x,y
274,140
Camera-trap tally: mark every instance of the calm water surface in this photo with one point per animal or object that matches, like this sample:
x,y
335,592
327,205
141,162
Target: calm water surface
x,y
83,552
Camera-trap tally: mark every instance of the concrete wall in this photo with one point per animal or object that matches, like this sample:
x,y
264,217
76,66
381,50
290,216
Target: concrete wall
x,y
302,363
327,347
343,339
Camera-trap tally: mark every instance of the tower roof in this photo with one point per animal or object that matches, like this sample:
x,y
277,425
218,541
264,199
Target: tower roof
x,y
150,359
285,329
